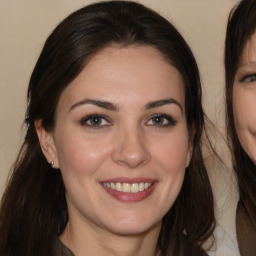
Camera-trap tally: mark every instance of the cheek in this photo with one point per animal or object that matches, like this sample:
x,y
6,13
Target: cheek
x,y
172,154
80,156
244,110
171,159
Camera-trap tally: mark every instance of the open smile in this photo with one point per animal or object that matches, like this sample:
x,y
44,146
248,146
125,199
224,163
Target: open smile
x,y
129,191
127,187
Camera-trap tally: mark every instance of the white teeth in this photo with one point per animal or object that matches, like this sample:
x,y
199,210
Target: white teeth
x,y
135,188
141,186
119,186
127,187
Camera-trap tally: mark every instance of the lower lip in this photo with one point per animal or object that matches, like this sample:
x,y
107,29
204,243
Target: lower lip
x,y
130,197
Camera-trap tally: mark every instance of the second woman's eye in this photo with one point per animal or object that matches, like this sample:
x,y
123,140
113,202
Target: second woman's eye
x,y
249,79
161,120
95,121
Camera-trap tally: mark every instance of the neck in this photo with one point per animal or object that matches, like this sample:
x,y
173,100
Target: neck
x,y
84,241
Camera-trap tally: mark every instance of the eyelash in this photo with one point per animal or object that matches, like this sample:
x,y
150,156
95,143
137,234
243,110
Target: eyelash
x,y
170,121
93,126
165,121
243,80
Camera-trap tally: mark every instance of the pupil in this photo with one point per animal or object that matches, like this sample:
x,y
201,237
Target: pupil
x,y
157,120
96,120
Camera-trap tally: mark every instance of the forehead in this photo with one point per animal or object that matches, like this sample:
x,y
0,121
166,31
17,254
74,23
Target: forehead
x,y
119,73
249,51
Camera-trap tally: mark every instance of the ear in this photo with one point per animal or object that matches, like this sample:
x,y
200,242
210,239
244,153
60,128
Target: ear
x,y
47,143
190,145
189,155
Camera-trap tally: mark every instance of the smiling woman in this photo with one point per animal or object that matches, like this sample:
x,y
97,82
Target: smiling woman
x,y
244,98
240,64
132,137
111,163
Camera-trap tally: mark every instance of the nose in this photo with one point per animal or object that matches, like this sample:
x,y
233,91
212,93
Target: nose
x,y
131,149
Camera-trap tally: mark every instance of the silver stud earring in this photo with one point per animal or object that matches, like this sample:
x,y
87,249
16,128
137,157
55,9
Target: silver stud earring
x,y
52,165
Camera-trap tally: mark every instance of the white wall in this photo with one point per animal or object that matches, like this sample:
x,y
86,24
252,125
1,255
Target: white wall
x,y
24,25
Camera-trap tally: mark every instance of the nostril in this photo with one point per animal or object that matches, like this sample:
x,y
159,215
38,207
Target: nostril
x,y
133,158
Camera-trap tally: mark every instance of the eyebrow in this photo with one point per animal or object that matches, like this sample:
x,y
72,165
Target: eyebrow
x,y
99,103
247,64
159,103
113,107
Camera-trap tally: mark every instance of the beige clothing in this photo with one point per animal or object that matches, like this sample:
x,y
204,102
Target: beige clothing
x,y
226,197
61,250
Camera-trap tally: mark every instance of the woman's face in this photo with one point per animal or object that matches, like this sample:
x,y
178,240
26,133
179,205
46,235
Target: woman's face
x,y
121,140
244,99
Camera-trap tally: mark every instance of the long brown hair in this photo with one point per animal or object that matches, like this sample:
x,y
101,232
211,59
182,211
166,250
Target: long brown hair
x,y
241,26
33,209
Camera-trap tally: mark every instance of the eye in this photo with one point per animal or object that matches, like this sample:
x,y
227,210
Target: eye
x,y
249,79
161,120
95,121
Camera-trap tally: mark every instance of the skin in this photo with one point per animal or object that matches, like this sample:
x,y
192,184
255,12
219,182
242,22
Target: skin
x,y
126,143
244,99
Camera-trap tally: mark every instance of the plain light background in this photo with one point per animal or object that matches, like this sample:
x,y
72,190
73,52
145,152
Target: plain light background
x,y
25,25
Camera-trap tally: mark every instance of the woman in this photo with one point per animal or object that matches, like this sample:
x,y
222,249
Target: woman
x,y
240,55
111,163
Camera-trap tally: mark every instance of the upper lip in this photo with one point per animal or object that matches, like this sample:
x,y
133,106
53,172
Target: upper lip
x,y
129,180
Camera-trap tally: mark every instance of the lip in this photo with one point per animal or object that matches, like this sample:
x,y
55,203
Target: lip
x,y
130,197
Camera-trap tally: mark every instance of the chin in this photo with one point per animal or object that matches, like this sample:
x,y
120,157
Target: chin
x,y
129,227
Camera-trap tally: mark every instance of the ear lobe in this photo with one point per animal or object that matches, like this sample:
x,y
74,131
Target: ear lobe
x,y
47,143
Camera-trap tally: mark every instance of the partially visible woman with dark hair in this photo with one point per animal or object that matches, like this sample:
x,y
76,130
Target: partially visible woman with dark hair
x,y
111,163
240,66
